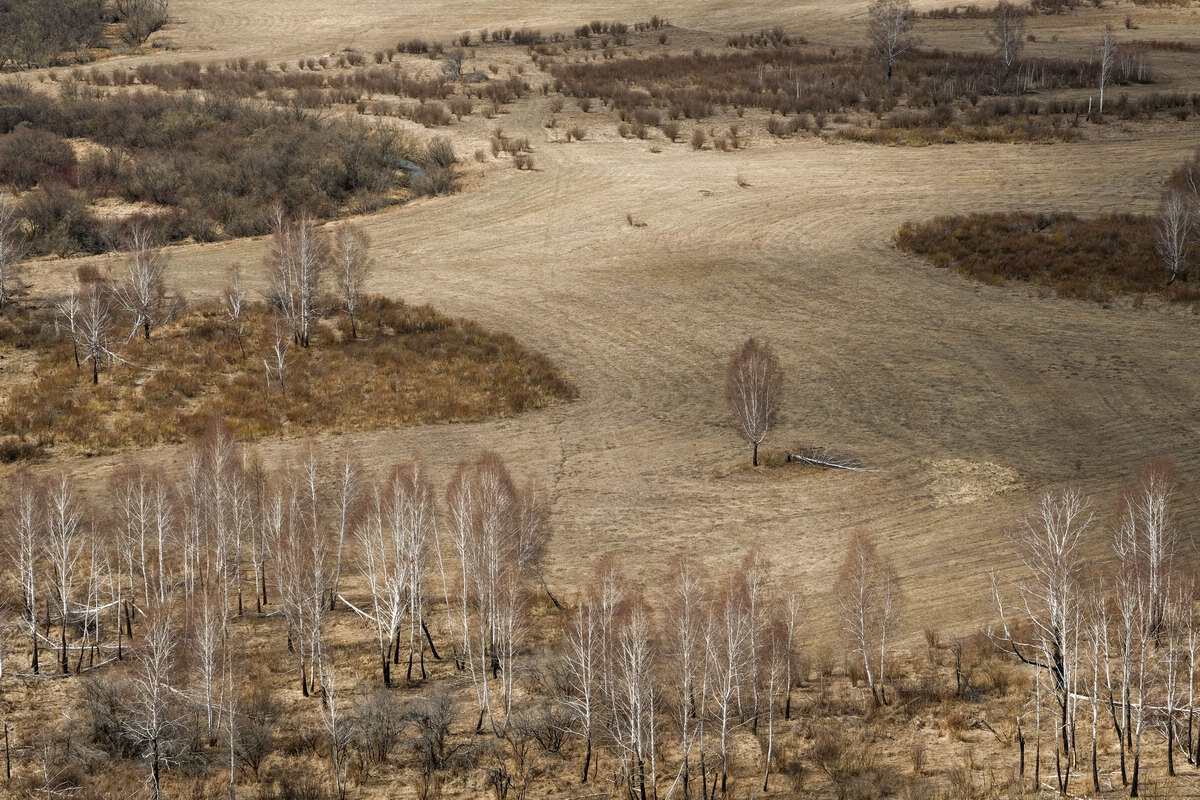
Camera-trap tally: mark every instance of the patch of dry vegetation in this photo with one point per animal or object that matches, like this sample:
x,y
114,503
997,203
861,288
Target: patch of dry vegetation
x,y
941,91
210,166
411,365
1093,258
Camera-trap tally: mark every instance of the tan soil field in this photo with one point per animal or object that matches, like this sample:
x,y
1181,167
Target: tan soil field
x,y
968,399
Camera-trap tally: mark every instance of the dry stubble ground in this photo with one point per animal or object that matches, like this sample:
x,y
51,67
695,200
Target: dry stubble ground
x,y
921,373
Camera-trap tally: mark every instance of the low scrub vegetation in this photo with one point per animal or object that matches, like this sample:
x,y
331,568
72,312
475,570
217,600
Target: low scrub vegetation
x,y
1092,258
410,365
792,79
205,167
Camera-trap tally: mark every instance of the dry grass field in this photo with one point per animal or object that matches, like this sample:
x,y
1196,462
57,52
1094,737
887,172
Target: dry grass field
x,y
968,399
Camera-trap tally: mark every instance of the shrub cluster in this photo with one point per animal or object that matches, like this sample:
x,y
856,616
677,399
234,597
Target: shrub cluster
x,y
39,33
793,80
214,164
412,366
1089,258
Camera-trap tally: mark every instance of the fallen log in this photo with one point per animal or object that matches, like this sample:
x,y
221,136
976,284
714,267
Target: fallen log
x,y
828,459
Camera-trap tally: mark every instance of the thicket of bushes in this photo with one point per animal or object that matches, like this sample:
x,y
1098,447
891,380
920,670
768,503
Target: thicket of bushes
x,y
37,33
1089,258
793,80
216,164
412,365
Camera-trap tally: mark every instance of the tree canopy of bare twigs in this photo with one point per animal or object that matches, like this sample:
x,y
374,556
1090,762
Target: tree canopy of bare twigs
x,y
1174,232
889,25
297,260
13,249
140,19
869,597
753,389
352,266
1008,33
142,291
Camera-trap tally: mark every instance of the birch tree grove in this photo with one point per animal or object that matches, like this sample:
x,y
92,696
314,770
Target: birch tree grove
x,y
869,598
396,537
498,535
297,259
1049,543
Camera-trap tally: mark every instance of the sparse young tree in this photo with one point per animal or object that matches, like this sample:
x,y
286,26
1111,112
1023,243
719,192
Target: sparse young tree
x,y
64,545
154,721
1108,62
13,249
142,292
297,260
90,320
889,23
869,596
753,389
234,301
352,266
276,362
1008,33
1173,233
25,531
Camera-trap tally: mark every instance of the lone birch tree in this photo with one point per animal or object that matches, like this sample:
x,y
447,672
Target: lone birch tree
x,y
753,389
1173,233
889,23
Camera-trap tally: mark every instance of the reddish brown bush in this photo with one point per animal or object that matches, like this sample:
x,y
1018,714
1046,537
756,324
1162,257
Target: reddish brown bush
x,y
1088,258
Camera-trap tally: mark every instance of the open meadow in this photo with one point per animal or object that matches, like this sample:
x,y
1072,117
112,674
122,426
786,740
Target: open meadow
x,y
637,266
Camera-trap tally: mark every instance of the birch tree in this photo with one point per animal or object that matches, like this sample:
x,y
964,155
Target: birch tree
x,y
754,389
234,301
154,721
297,260
581,661
13,248
889,23
1173,233
1049,544
142,291
869,598
64,545
1108,62
92,325
25,533
1008,33
352,267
